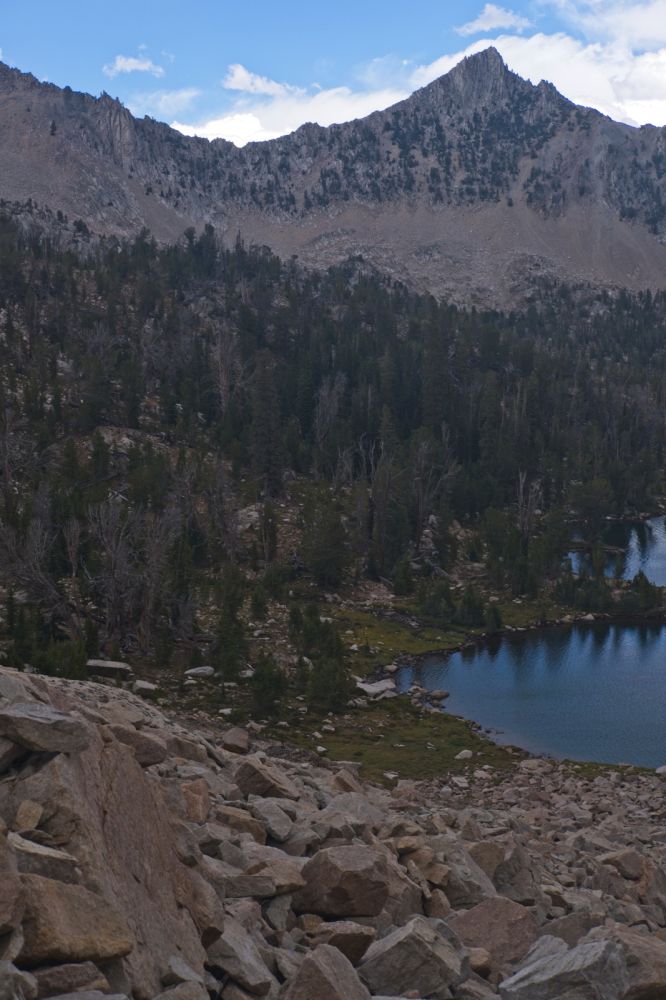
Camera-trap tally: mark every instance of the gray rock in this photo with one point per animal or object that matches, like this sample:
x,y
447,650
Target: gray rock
x,y
36,859
505,929
180,972
71,977
147,749
236,740
375,689
424,956
645,957
352,939
249,886
144,689
574,926
278,912
591,971
40,727
326,974
9,753
348,881
274,818
515,876
200,672
14,686
15,984
254,777
113,669
236,953
467,883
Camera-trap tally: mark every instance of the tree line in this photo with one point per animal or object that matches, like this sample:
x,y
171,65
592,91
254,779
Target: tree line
x,y
147,393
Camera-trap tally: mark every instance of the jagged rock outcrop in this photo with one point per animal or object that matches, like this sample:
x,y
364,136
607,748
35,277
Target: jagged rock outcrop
x,y
165,874
476,187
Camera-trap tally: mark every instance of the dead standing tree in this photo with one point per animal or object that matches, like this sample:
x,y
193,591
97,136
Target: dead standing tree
x,y
157,533
113,527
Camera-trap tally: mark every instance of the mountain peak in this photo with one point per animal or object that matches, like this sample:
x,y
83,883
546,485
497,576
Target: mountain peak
x,y
487,59
479,80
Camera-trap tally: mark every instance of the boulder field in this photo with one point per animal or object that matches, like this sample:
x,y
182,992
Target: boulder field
x,y
142,858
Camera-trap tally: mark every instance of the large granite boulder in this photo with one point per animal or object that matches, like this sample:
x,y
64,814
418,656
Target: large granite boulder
x,y
352,939
348,881
70,977
43,728
423,956
505,929
325,974
255,777
593,970
645,958
236,954
68,923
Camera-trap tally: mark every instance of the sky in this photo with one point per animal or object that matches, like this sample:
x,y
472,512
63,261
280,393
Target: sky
x,y
255,70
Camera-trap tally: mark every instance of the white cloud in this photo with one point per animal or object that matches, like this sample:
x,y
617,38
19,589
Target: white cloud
x,y
240,78
494,18
285,113
132,64
237,127
163,103
635,25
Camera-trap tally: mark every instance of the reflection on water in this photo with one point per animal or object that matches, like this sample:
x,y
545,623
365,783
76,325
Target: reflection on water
x,y
645,545
590,692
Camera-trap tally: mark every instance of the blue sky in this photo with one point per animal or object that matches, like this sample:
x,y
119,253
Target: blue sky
x,y
259,69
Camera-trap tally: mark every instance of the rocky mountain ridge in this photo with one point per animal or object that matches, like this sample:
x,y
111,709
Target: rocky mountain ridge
x,y
145,859
473,187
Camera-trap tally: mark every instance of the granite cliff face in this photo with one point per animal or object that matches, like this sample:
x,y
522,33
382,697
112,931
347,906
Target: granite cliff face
x,y
470,188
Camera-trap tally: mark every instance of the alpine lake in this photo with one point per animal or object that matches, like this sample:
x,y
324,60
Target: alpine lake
x,y
587,691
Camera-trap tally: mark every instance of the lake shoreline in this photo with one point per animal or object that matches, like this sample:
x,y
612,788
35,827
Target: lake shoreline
x,y
546,699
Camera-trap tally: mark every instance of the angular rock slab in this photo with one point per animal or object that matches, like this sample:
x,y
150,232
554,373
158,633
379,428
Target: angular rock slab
x,y
505,929
42,728
351,881
237,954
112,669
67,923
423,956
325,974
593,970
645,957
352,939
70,978
147,749
254,777
35,859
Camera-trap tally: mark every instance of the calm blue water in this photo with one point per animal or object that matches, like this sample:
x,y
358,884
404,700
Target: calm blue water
x,y
588,692
645,545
